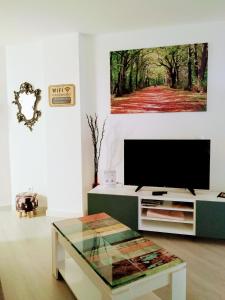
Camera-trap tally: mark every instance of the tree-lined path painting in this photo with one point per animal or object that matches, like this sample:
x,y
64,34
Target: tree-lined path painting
x,y
165,79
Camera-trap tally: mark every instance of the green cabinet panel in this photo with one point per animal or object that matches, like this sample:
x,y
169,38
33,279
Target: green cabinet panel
x,y
210,219
122,208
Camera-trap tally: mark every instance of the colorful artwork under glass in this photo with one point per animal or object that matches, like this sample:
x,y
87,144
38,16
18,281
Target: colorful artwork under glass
x,y
163,79
117,253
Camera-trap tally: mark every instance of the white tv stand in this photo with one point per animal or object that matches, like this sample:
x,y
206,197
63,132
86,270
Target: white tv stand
x,y
162,214
179,212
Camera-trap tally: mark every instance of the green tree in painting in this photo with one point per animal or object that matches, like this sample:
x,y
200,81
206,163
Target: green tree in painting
x,y
200,66
173,60
178,67
124,71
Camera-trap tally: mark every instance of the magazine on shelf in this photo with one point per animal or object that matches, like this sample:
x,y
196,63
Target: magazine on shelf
x,y
165,214
149,202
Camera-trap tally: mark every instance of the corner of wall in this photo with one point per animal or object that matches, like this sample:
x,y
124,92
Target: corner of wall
x,y
5,182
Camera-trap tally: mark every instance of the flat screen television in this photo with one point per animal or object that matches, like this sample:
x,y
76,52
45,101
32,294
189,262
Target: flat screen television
x,y
167,163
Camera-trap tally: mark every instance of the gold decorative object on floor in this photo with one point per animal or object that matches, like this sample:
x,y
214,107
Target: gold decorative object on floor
x,y
26,204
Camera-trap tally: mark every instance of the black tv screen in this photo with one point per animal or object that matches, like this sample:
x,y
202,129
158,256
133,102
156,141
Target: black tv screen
x,y
167,163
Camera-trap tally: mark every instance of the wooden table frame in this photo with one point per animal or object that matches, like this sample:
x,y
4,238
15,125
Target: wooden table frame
x,y
61,247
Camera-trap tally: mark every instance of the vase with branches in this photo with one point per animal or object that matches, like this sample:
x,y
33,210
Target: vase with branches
x,y
97,137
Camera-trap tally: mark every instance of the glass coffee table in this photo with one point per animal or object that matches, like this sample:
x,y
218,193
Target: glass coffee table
x,y
101,258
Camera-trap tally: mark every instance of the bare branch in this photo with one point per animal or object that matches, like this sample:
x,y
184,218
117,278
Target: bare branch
x,y
100,144
95,133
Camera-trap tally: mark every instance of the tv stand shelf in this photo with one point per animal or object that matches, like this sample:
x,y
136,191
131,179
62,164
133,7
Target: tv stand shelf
x,y
167,206
168,215
177,212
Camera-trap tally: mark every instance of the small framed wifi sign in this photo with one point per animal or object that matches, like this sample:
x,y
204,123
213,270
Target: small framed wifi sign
x,y
61,95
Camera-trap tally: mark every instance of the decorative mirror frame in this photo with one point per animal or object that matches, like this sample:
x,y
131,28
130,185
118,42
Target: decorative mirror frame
x,y
28,90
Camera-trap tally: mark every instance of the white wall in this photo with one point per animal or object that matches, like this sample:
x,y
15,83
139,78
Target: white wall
x,y
209,125
88,106
61,66
56,158
49,158
4,139
27,149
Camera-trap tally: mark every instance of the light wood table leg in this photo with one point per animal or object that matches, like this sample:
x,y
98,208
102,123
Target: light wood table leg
x,y
125,295
58,253
149,296
178,285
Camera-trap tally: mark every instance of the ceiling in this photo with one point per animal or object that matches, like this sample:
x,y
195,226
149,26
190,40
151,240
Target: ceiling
x,y
23,19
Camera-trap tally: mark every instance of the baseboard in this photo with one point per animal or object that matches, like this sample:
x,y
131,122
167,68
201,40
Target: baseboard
x,y
5,204
60,213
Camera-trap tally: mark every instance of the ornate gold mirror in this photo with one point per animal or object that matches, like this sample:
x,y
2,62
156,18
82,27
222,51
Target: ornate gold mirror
x,y
27,100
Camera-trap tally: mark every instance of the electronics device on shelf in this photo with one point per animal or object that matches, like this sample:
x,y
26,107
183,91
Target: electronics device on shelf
x,y
151,202
158,193
167,163
221,195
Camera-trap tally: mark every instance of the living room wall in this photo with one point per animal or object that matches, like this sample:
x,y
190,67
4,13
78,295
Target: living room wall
x,y
56,159
63,127
205,125
49,159
5,192
24,62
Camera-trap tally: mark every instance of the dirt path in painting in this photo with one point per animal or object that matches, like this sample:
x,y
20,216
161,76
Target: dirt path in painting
x,y
158,99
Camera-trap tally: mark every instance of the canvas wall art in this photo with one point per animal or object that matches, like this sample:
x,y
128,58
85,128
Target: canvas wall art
x,y
163,79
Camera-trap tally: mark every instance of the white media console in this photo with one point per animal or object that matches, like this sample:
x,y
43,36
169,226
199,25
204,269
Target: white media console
x,y
177,211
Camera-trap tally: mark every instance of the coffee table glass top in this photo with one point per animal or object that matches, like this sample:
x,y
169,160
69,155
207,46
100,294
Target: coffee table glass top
x,y
118,254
